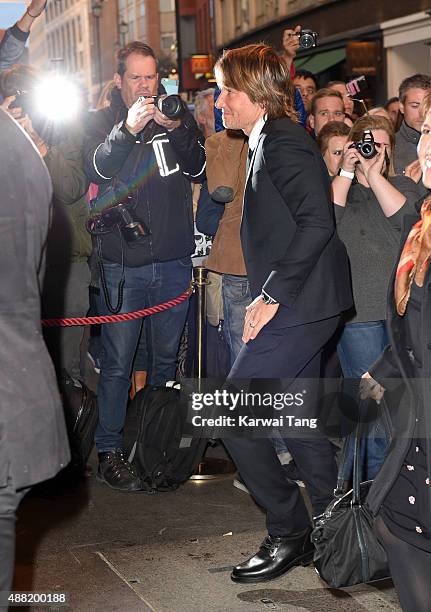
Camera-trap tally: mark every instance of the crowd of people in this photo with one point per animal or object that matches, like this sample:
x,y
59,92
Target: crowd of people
x,y
311,204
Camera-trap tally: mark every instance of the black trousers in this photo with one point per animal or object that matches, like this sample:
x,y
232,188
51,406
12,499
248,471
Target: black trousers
x,y
285,352
9,501
410,570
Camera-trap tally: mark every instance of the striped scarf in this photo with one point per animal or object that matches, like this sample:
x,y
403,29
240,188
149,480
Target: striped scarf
x,y
415,259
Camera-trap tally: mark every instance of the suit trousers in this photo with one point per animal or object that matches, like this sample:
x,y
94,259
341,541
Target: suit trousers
x,y
285,352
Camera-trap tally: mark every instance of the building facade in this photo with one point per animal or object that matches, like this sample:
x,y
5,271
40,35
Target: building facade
x,y
382,40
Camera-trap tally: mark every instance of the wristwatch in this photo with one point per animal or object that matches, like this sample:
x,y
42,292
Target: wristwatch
x,y
266,299
346,173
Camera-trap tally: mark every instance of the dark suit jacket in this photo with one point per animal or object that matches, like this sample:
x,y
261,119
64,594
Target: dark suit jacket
x,y
288,235
33,439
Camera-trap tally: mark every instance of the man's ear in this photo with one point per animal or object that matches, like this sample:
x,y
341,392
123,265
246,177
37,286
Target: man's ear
x,y
401,108
311,121
117,80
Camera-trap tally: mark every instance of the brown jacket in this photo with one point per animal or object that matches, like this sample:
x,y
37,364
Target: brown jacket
x,y
226,165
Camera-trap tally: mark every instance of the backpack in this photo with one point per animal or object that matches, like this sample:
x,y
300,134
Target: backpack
x,y
81,416
153,438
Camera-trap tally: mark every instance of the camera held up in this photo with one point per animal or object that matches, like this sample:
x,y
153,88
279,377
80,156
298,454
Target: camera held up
x,y
307,39
171,106
366,147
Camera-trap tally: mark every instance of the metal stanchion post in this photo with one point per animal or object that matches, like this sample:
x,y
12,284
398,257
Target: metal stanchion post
x,y
200,282
209,467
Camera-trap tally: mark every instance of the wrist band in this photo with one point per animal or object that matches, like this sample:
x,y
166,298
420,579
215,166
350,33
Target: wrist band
x,y
38,15
33,16
346,174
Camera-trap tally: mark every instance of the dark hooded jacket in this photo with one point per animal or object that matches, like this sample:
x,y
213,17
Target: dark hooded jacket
x,y
155,169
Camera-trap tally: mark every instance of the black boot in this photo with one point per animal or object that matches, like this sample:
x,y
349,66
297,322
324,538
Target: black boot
x,y
116,472
276,556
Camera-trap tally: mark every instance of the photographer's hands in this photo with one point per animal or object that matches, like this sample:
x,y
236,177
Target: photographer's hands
x,y
26,123
169,124
139,115
142,112
13,112
290,44
341,184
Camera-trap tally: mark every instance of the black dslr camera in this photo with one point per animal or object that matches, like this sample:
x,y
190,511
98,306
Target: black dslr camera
x,y
23,99
307,39
366,147
121,215
171,106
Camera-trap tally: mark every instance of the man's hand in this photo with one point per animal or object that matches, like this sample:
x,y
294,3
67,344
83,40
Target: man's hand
x,y
291,44
139,115
258,314
414,171
169,124
368,387
16,113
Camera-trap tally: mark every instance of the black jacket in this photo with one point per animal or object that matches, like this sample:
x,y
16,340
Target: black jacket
x,y
290,245
393,364
156,168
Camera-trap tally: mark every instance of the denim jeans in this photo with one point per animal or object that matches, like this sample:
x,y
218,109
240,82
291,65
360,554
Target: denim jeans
x,y
359,346
236,298
144,286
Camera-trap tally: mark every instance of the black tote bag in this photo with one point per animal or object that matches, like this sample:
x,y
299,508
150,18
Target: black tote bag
x,y
347,550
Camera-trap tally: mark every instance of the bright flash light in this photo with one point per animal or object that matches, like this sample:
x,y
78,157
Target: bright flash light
x,y
57,98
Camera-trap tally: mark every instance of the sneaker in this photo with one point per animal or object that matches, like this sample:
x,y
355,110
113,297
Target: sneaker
x,y
117,473
292,473
240,484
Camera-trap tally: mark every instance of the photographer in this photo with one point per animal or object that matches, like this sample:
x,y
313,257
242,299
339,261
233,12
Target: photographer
x,y
370,203
144,159
65,292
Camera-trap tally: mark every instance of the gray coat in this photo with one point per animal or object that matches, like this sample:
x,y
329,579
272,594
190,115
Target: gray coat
x,y
33,438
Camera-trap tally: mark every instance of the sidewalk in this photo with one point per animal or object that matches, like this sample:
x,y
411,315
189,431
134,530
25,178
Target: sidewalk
x,y
170,552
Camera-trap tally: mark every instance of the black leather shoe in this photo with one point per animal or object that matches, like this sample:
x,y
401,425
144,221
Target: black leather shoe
x,y
117,473
276,556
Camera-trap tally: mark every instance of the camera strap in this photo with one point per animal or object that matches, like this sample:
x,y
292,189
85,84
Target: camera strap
x,y
114,309
117,308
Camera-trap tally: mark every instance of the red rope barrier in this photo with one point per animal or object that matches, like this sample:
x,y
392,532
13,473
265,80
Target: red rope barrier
x,y
127,316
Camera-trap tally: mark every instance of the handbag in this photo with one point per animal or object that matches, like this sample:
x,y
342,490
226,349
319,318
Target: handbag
x,y
347,552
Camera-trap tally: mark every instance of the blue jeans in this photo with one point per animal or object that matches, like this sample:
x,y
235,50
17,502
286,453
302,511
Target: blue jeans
x,y
236,298
359,346
144,286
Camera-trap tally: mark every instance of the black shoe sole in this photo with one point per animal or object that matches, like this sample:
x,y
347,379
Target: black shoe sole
x,y
105,482
303,560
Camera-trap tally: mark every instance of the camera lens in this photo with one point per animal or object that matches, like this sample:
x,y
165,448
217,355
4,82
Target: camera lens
x,y
171,106
307,39
368,150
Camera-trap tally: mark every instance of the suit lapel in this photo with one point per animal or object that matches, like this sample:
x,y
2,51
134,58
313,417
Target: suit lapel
x,y
250,169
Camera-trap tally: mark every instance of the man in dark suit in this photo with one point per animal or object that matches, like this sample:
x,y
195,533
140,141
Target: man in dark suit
x,y
33,438
298,273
